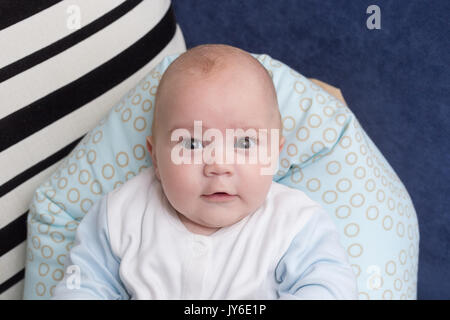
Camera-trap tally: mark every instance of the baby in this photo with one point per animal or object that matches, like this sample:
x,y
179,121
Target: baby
x,y
198,226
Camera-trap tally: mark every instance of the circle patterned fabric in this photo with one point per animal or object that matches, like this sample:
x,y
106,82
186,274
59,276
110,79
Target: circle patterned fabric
x,y
327,155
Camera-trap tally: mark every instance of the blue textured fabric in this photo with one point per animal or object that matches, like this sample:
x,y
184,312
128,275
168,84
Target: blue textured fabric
x,y
396,81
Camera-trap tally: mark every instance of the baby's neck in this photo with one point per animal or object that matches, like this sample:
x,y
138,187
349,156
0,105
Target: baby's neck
x,y
195,227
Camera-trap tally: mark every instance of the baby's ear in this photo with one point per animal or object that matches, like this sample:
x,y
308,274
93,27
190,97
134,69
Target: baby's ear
x,y
152,151
149,141
282,141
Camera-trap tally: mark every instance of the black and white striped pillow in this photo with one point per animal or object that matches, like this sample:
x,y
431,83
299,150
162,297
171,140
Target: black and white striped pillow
x,y
56,82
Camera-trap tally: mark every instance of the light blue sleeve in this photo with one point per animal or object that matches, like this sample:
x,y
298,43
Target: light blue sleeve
x,y
315,266
92,270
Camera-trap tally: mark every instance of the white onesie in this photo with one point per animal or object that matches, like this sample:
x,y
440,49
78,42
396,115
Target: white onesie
x,y
132,245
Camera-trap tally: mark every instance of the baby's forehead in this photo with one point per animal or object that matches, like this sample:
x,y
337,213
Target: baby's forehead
x,y
235,75
218,70
210,61
194,71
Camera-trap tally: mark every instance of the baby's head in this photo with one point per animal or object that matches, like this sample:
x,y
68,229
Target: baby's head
x,y
225,88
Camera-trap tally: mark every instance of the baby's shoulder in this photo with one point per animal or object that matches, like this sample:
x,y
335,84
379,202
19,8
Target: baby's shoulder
x,y
281,194
291,207
126,208
137,186
287,213
133,196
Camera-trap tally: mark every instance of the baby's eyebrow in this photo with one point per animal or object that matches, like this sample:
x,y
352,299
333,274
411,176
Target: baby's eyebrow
x,y
204,128
190,127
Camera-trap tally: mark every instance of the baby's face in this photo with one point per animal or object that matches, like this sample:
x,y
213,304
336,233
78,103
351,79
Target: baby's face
x,y
228,100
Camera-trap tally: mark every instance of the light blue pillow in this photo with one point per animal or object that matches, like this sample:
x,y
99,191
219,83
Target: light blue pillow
x,y
327,155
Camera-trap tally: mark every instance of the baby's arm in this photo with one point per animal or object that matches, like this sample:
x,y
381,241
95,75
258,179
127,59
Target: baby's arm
x,y
316,265
92,261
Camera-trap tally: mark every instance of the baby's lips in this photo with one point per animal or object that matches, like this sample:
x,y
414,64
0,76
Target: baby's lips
x,y
218,192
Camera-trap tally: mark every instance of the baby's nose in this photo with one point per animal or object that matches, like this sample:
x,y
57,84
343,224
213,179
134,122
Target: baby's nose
x,y
217,168
217,164
218,158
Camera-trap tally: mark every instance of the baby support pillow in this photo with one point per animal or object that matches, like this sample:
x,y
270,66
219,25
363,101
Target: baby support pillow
x,y
327,155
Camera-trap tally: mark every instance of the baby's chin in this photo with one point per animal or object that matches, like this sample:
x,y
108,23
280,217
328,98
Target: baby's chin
x,y
222,221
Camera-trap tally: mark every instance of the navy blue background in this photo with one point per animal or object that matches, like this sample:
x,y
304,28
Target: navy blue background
x,y
396,80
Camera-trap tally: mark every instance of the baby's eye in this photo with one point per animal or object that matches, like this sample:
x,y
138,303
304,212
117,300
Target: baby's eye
x,y
191,143
245,143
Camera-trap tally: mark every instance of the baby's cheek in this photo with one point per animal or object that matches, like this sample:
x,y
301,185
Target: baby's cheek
x,y
181,179
254,184
176,190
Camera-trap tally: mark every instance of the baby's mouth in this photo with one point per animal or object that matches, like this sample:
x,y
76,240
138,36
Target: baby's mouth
x,y
219,197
